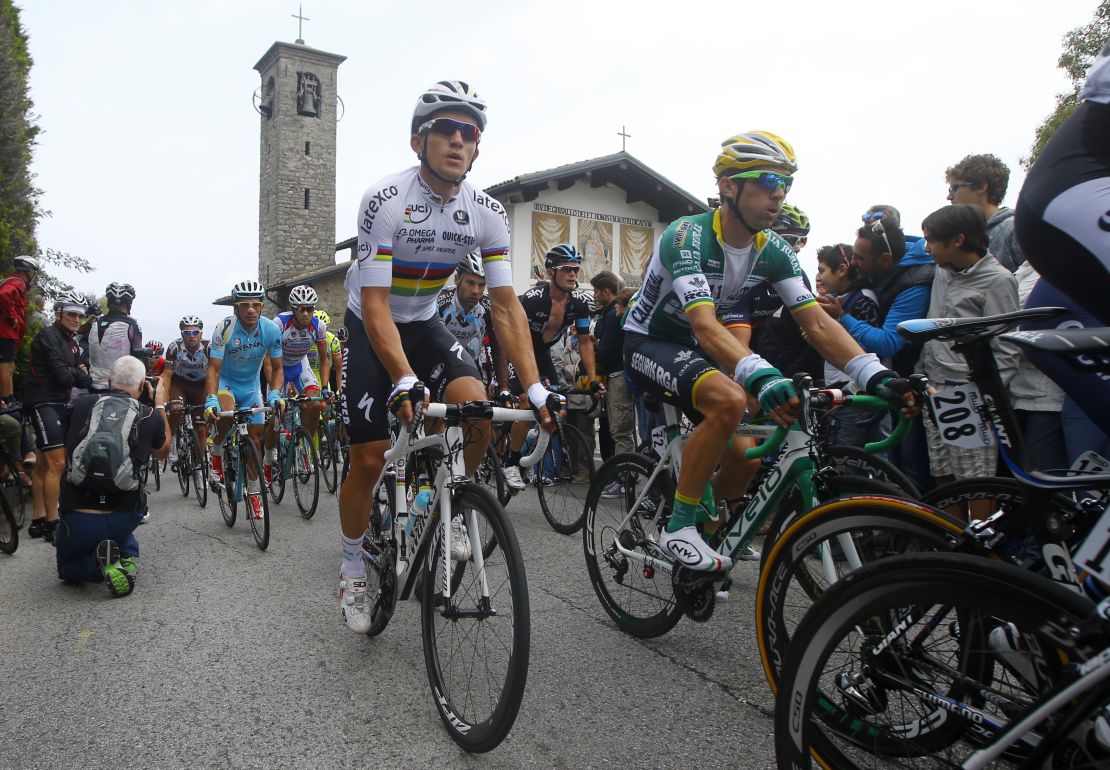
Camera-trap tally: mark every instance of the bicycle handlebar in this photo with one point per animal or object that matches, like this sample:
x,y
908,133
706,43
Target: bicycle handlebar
x,y
485,410
245,412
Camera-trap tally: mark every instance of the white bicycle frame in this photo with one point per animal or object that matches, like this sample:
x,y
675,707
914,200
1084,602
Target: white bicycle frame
x,y
449,473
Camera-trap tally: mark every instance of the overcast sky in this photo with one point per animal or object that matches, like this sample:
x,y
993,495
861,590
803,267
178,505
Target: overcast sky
x,y
150,151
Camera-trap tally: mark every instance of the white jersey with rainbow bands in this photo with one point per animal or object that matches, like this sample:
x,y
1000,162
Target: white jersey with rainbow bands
x,y
411,241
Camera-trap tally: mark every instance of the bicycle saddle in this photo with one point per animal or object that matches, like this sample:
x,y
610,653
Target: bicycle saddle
x,y
922,330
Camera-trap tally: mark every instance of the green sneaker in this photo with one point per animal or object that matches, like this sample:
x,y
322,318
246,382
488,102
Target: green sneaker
x,y
128,565
117,580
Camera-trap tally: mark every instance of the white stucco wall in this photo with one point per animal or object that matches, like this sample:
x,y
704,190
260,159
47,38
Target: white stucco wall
x,y
608,201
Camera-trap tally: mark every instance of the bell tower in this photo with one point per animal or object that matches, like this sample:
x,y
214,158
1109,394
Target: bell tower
x,y
297,105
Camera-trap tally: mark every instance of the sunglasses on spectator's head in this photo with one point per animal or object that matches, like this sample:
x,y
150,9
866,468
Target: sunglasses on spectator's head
x,y
870,216
878,229
768,180
448,127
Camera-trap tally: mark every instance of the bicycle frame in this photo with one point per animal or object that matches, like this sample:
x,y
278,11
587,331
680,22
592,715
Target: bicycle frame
x,y
449,473
794,466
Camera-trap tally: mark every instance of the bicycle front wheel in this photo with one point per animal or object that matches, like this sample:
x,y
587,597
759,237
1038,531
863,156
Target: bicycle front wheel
x,y
562,480
821,546
329,457
198,463
250,474
920,660
17,496
621,542
476,643
490,475
276,486
306,473
184,464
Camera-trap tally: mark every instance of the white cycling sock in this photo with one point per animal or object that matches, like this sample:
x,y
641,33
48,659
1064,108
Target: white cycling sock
x,y
352,556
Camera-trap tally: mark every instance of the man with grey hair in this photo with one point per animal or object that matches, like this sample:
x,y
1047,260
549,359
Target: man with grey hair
x,y
95,541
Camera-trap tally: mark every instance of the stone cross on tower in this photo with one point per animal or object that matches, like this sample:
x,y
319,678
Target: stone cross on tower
x,y
301,19
296,202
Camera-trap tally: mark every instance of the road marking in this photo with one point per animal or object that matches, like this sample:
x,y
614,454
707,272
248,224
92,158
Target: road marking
x,y
85,636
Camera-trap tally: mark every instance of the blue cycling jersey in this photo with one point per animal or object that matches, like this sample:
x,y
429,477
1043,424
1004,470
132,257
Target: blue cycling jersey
x,y
242,351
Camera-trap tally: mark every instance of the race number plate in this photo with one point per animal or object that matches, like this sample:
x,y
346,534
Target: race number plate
x,y
957,413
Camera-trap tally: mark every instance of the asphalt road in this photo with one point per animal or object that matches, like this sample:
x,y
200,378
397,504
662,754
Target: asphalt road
x,y
225,656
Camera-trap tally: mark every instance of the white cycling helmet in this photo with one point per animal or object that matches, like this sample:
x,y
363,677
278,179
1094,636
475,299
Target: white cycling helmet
x,y
26,264
303,295
248,290
71,302
449,95
190,320
120,293
472,263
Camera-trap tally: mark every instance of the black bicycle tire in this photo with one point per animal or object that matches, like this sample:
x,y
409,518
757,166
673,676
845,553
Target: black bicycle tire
x,y
260,528
157,473
855,461
9,544
231,471
184,470
276,487
642,628
485,735
199,461
782,562
577,450
490,475
301,436
329,457
993,588
17,495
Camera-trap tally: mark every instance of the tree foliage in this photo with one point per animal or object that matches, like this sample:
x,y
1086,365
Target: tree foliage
x,y
1081,45
19,198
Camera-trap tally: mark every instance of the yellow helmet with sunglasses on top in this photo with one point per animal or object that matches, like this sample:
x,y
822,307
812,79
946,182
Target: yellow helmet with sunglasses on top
x,y
755,151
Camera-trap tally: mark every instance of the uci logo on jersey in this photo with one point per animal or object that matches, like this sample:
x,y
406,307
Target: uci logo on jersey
x,y
417,213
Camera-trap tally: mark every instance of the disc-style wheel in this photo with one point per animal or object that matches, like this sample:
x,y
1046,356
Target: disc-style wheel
x,y
476,641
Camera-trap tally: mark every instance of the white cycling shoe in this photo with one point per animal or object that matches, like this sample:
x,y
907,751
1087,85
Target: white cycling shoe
x,y
460,543
512,477
688,548
352,603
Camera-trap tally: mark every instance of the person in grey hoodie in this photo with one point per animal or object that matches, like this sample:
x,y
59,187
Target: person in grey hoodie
x,y
981,180
969,283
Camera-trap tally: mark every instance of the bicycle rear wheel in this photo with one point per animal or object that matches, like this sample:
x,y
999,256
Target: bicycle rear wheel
x,y
17,496
906,662
637,594
276,487
809,556
306,473
476,644
9,530
562,479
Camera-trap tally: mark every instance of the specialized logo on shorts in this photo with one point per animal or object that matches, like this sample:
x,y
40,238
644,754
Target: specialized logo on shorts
x,y
365,403
654,372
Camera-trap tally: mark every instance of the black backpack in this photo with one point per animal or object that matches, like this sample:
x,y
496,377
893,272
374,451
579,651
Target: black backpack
x,y
102,460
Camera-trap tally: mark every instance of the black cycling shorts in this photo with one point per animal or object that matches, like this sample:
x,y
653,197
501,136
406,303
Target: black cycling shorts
x,y
668,370
1063,213
436,358
46,419
7,351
